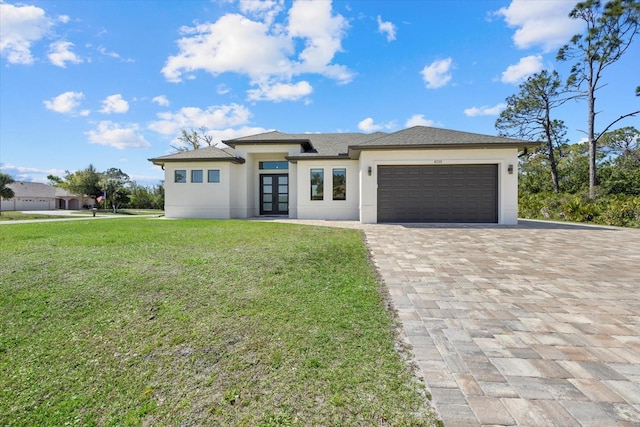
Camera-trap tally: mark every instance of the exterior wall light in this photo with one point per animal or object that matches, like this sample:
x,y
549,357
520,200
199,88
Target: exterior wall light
x,y
510,169
369,170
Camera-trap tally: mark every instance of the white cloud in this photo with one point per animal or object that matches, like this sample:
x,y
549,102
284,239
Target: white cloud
x,y
117,136
437,74
524,68
262,9
65,103
263,50
323,33
418,120
20,26
280,92
541,23
161,100
232,44
485,110
102,50
214,117
29,174
368,125
60,53
387,28
114,104
223,89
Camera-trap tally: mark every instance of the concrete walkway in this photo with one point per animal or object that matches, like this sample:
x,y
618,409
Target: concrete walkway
x,y
529,325
66,215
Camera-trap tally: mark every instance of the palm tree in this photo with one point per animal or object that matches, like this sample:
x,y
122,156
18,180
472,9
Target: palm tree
x,y
5,192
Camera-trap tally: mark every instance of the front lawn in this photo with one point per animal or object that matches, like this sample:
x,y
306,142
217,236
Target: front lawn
x,y
195,322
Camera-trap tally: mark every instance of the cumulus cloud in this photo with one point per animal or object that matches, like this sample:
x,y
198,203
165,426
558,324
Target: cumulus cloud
x,y
386,27
280,92
20,26
438,73
368,125
418,120
65,103
262,9
161,100
524,68
60,53
231,44
114,104
265,51
485,110
117,136
214,117
541,23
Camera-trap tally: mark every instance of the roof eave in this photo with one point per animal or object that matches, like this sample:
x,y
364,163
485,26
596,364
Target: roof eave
x,y
355,149
160,161
294,159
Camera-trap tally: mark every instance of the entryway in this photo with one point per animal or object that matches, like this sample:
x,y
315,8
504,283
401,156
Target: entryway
x,y
274,194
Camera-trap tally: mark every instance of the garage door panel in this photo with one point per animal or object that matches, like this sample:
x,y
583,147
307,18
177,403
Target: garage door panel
x,y
442,193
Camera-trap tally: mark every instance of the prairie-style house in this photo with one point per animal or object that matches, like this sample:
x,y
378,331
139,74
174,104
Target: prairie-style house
x,y
419,174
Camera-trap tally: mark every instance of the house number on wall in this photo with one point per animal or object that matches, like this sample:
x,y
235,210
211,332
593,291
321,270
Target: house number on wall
x,y
437,162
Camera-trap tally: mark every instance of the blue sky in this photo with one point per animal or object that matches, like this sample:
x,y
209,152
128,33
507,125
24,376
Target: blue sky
x,y
113,82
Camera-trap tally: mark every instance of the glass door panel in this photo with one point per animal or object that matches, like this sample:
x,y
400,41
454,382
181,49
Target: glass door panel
x,y
274,194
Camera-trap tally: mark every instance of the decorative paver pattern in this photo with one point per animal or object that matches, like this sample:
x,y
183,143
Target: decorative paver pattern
x,y
530,325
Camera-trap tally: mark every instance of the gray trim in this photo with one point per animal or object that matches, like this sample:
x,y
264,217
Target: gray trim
x,y
160,161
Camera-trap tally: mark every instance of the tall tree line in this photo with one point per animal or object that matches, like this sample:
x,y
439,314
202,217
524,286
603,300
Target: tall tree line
x,y
530,114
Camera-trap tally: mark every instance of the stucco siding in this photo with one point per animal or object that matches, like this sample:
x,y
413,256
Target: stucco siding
x,y
327,208
198,200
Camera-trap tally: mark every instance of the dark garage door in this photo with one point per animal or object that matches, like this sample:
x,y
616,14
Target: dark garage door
x,y
442,193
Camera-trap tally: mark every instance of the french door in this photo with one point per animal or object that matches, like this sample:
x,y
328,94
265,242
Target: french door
x,y
274,194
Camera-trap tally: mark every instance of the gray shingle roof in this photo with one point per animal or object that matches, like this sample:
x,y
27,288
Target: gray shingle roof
x,y
349,145
206,153
37,189
314,144
423,136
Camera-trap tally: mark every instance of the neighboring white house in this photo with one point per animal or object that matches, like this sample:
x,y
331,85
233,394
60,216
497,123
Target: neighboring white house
x,y
35,196
420,174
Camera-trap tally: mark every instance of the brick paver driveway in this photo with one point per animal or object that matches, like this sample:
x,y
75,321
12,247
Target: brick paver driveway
x,y
529,325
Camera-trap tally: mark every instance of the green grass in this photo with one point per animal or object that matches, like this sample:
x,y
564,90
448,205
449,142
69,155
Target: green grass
x,y
195,322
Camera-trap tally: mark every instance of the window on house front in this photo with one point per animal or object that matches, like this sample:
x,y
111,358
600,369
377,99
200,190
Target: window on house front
x,y
317,184
180,176
213,175
273,165
196,175
339,184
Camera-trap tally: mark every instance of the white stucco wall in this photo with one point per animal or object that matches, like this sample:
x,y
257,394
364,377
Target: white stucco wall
x,y
198,200
507,183
328,208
